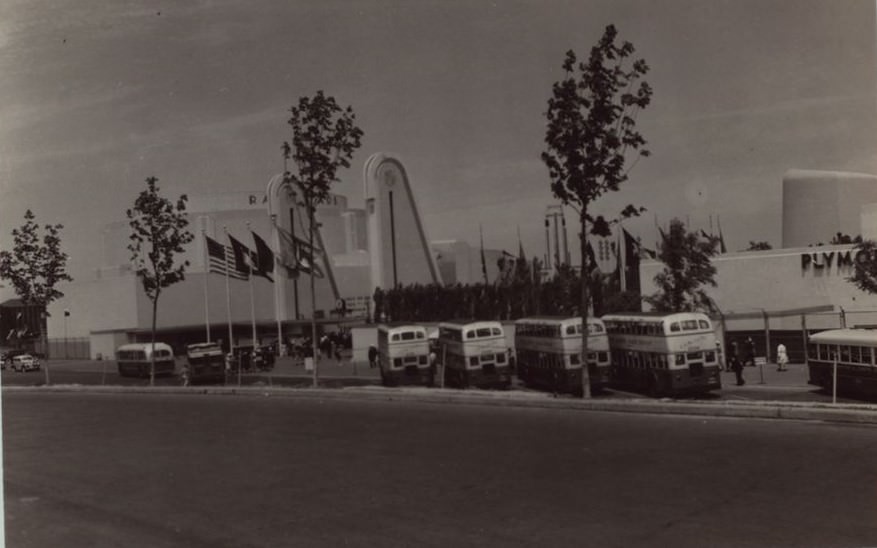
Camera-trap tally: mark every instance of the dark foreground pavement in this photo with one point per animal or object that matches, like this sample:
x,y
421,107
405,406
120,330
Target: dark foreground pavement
x,y
158,470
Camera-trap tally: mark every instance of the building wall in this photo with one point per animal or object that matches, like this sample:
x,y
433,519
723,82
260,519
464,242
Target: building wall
x,y
783,280
818,204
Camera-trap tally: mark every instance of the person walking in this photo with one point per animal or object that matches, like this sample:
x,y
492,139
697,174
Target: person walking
x,y
782,357
372,357
736,364
750,352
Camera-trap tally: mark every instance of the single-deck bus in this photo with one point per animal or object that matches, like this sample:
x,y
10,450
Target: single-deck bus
x,y
663,354
135,359
854,351
548,353
403,355
205,363
474,353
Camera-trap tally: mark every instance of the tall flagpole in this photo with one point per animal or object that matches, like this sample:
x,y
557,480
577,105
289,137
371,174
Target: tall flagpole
x,y
275,234
252,296
227,295
206,278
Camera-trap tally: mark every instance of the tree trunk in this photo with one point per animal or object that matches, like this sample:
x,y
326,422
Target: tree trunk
x,y
583,277
152,359
311,213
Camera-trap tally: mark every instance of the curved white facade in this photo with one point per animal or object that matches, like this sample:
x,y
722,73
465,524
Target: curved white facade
x,y
819,204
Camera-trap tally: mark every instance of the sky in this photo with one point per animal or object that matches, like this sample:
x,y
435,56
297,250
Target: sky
x,y
96,96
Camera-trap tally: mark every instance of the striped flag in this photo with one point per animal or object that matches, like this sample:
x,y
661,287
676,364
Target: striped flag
x,y
222,260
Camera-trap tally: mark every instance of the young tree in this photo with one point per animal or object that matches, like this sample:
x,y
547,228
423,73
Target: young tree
x,y
324,138
865,266
591,130
34,269
158,234
687,268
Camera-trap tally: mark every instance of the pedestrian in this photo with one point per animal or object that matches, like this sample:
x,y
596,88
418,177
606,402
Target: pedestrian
x,y
782,357
372,357
720,358
736,364
750,352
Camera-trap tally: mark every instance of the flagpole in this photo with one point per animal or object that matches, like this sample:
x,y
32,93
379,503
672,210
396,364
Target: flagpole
x,y
622,256
252,297
206,279
228,305
278,280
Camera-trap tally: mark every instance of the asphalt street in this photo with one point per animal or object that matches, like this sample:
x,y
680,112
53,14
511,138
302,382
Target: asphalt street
x,y
160,470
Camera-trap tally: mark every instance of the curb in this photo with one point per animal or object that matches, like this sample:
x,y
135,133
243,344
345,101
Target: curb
x,y
837,413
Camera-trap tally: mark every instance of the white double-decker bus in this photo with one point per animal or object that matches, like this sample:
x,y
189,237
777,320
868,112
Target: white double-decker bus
x,y
474,353
663,354
403,355
548,353
844,356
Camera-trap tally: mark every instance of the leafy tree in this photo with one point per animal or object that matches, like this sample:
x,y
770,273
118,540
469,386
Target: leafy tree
x,y
158,234
34,269
324,138
591,130
841,238
758,246
865,266
687,269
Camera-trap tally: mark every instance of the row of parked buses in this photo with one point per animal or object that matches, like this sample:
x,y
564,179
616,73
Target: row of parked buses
x,y
660,354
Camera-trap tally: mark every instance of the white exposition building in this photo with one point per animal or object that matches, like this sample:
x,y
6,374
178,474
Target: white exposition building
x,y
803,284
380,245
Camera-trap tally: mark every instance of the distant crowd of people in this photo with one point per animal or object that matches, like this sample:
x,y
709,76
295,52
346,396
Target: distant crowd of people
x,y
742,353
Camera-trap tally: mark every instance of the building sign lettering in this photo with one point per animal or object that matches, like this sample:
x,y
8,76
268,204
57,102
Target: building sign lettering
x,y
824,260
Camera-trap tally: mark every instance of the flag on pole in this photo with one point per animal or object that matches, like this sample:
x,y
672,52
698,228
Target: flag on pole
x,y
243,256
296,254
221,260
264,258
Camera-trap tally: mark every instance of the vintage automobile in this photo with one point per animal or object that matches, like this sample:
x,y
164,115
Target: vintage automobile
x,y
25,362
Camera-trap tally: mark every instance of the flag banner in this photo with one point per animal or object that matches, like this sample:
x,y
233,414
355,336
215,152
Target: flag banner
x,y
264,258
243,257
221,260
294,254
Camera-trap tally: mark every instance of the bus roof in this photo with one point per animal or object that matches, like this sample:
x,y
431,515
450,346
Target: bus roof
x,y
460,324
556,320
145,347
846,336
655,316
400,327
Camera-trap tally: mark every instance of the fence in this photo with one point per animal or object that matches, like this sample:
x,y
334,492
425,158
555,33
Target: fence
x,y
72,348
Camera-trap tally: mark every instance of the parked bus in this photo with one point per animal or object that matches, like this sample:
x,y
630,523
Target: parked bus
x,y
134,359
205,363
854,351
663,354
403,355
548,353
475,353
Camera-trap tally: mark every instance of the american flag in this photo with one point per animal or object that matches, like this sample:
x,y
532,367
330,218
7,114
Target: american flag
x,y
222,260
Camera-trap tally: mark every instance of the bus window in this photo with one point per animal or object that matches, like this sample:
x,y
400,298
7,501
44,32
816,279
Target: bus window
x,y
395,337
855,354
470,334
844,353
680,359
570,330
483,332
689,325
408,335
420,335
674,327
495,331
703,324
473,360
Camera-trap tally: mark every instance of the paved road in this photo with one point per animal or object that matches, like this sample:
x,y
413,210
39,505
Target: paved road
x,y
188,471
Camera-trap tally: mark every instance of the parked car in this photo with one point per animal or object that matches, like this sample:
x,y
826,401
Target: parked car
x,y
6,357
25,362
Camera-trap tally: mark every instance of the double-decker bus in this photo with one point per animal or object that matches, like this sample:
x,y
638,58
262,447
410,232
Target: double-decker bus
x,y
135,359
474,353
548,353
854,351
403,355
663,354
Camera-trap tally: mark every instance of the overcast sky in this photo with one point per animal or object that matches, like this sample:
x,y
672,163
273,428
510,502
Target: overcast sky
x,y
95,96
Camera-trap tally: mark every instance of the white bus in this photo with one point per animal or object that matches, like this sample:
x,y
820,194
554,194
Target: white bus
x,y
663,354
403,355
548,353
134,359
854,351
475,353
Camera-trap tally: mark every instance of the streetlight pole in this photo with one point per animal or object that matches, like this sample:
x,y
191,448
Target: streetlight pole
x,y
66,315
